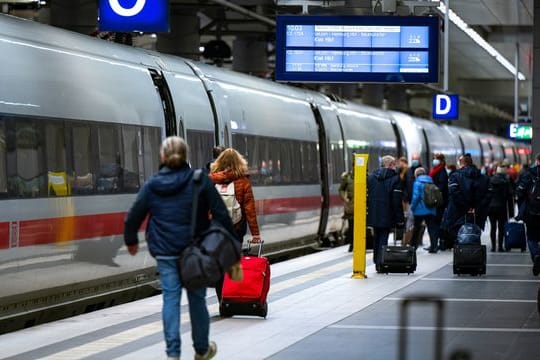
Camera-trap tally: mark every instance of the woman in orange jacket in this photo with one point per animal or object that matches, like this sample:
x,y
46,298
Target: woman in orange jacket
x,y
229,167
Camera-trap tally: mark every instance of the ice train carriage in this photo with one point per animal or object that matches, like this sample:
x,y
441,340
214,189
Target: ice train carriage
x,y
80,125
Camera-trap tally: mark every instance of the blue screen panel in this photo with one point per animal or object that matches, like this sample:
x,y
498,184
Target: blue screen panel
x,y
357,49
134,15
414,37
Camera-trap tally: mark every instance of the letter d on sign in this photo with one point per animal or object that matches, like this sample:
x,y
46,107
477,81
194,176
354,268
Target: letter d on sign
x,y
439,100
445,107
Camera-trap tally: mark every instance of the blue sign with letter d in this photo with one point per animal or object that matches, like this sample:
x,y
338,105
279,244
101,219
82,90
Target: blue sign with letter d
x,y
134,15
445,107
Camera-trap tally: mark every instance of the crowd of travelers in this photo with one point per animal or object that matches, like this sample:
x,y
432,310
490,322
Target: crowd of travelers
x,y
407,199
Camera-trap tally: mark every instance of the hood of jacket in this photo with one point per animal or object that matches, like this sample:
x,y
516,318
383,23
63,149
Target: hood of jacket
x,y
425,179
170,181
382,174
223,177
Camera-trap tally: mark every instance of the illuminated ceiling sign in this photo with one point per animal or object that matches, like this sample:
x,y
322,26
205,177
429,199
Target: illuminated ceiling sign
x,y
518,131
134,15
445,107
357,49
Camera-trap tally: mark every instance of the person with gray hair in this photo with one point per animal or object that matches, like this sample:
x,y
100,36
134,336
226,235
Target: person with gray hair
x,y
166,198
384,207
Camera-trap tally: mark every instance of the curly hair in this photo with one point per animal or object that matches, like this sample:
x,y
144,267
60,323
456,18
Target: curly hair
x,y
230,159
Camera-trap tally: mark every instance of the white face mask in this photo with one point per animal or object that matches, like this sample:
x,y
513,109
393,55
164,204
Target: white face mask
x,y
447,171
436,162
415,163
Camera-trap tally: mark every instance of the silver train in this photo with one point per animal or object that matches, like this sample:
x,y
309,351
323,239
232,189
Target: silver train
x,y
81,121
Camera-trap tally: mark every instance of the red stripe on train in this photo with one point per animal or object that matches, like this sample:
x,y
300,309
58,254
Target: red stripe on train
x,y
58,230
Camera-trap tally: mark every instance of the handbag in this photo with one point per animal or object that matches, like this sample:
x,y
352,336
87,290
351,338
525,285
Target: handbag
x,y
210,254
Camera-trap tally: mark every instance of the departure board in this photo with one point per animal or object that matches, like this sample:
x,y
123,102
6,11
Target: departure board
x,y
353,49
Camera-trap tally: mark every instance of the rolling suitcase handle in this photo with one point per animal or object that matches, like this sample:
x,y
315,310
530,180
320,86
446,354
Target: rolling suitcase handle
x,y
430,299
260,248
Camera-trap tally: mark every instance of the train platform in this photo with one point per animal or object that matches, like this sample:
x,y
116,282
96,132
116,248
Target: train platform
x,y
317,311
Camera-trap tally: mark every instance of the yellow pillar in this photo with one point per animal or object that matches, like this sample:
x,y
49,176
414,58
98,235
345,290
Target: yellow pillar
x,y
360,207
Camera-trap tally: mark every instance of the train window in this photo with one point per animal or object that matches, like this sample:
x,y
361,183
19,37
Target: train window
x,y
3,154
200,147
130,165
151,144
57,184
273,161
108,179
26,173
338,162
83,177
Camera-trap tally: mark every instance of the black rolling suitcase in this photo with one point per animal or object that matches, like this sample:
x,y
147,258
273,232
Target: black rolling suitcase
x,y
398,259
469,255
470,259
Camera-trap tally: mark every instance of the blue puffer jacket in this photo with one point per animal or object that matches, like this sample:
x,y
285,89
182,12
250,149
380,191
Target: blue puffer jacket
x,y
418,206
167,198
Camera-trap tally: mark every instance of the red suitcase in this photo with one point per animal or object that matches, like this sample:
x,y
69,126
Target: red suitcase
x,y
247,297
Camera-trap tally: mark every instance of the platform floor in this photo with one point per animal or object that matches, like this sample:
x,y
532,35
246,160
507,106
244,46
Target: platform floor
x,y
317,311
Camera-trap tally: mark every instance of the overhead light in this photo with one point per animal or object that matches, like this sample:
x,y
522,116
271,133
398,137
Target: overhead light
x,y
462,25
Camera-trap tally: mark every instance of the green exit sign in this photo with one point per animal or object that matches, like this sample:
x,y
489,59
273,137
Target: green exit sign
x,y
520,131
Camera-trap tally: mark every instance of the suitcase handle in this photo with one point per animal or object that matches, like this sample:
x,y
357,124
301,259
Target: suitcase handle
x,y
426,299
260,247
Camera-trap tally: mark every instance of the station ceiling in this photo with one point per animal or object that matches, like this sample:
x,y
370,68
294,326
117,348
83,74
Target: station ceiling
x,y
473,73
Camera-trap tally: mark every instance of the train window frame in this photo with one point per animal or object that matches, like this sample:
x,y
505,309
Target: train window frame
x,y
274,161
200,144
68,142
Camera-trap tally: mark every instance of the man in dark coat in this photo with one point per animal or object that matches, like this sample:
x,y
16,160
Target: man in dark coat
x,y
384,210
440,179
467,194
528,201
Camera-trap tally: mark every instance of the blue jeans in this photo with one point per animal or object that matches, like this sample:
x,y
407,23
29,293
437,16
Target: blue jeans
x,y
533,236
198,312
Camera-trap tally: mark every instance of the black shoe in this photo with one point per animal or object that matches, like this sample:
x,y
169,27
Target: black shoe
x,y
427,248
493,249
501,249
432,251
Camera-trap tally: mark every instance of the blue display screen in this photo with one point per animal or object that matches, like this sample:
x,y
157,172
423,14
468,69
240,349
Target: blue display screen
x,y
371,48
134,15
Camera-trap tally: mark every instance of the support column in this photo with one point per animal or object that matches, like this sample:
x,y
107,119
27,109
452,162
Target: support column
x,y
536,82
183,38
397,98
373,94
250,55
74,15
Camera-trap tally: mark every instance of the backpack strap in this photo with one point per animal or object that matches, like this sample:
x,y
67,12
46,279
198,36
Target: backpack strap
x,y
197,176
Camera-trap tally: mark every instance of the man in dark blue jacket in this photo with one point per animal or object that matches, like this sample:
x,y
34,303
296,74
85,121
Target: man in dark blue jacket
x,y
467,194
167,198
528,194
385,209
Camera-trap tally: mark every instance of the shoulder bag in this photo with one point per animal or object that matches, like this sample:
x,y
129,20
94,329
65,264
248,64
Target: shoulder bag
x,y
210,253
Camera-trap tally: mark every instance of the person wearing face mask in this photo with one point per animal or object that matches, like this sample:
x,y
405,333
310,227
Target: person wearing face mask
x,y
440,178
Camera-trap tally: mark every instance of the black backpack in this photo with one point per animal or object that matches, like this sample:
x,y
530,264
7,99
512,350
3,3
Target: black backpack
x,y
533,197
433,197
498,189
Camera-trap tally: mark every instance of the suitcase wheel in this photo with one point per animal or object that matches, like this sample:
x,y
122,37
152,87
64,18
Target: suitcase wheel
x,y
264,310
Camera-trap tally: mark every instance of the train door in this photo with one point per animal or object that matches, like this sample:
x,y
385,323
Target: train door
x,y
218,99
166,99
323,169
